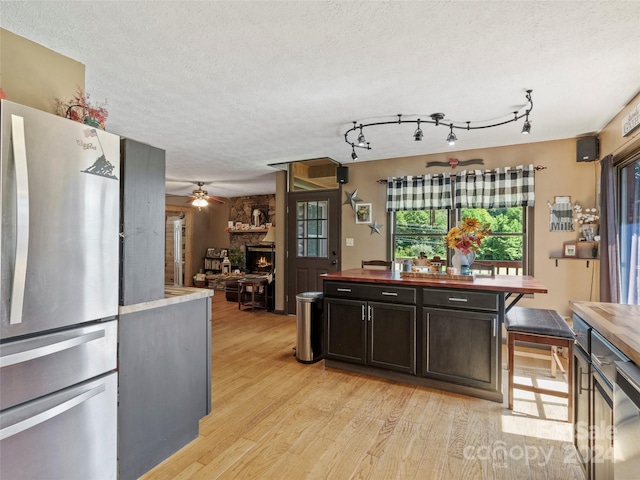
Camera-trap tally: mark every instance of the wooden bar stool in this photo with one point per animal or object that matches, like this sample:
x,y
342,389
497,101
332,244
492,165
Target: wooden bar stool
x,y
544,327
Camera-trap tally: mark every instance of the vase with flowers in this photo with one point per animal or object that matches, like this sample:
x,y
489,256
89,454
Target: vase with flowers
x,y
588,220
80,109
465,239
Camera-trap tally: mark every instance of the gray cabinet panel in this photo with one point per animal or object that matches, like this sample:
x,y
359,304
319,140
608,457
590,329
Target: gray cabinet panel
x,y
142,218
165,371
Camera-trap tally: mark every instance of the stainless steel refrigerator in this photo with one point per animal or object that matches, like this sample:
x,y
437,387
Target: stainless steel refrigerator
x,y
59,196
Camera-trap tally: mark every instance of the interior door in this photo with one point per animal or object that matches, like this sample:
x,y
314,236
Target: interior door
x,y
313,241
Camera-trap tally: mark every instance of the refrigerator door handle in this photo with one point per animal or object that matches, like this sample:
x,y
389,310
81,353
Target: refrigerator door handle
x,y
68,341
22,224
50,413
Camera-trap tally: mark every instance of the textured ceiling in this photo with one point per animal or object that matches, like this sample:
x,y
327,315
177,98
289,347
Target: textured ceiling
x,y
227,88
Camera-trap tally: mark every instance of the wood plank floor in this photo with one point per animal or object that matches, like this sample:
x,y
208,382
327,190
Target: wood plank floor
x,y
275,418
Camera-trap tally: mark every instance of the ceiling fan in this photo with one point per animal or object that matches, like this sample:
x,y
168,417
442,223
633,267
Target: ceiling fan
x,y
200,197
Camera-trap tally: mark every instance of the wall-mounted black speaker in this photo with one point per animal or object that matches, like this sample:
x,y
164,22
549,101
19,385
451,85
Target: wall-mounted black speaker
x,y
587,148
342,174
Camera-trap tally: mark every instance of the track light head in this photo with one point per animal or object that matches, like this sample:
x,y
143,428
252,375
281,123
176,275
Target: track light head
x,y
526,127
354,157
451,138
362,142
417,135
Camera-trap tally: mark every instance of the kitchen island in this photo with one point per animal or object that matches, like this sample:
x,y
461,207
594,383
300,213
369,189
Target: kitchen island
x,y
437,332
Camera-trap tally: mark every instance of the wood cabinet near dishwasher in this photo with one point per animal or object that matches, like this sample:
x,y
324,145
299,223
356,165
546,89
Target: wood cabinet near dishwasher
x,y
607,346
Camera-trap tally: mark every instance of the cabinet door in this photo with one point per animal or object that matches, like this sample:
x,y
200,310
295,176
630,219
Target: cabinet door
x,y
392,336
345,336
462,347
142,219
602,424
581,389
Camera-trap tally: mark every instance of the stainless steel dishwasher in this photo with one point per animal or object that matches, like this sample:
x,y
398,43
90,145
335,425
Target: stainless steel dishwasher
x,y
626,415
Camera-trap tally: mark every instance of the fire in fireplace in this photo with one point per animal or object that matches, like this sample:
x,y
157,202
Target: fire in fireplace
x,y
260,258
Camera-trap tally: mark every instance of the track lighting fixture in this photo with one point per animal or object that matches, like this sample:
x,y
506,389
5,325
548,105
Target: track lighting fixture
x,y
417,135
451,138
361,140
438,119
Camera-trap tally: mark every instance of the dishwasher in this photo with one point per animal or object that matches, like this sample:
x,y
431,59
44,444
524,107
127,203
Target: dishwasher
x,y
626,415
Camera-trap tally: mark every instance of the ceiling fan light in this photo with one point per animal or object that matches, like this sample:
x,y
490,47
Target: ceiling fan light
x,y
199,202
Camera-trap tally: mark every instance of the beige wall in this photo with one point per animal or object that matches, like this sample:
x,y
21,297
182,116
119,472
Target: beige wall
x,y
611,139
33,75
563,176
208,228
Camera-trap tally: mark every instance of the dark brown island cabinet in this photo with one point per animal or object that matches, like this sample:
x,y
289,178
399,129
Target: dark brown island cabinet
x,y
438,333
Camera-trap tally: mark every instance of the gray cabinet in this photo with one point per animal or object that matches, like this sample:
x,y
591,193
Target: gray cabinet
x,y
164,382
142,204
375,333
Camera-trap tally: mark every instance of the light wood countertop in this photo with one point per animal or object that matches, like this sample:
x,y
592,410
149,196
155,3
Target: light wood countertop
x,y
499,283
172,295
618,323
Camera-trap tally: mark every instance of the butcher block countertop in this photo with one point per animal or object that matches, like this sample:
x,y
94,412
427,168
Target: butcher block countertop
x,y
618,323
499,283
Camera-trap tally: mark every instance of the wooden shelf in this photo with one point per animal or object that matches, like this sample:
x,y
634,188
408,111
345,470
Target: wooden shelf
x,y
588,259
251,230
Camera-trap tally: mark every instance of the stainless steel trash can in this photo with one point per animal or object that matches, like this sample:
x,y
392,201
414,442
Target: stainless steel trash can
x,y
309,338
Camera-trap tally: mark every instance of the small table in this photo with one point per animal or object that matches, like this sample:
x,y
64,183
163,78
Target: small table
x,y
256,301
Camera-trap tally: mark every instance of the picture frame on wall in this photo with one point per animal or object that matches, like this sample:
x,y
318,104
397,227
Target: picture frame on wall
x,y
363,213
570,249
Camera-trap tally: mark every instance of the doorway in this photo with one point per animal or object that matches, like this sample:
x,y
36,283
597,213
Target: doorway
x,y
178,245
313,241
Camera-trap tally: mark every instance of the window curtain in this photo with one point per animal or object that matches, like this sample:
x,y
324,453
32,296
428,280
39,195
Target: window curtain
x,y
422,192
499,188
609,278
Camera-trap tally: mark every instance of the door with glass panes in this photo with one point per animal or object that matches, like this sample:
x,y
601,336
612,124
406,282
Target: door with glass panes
x,y
313,241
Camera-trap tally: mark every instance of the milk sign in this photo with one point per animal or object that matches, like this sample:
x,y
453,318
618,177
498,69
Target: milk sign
x,y
631,121
560,217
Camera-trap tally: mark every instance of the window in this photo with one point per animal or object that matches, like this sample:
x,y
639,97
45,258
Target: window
x,y
507,248
630,232
312,233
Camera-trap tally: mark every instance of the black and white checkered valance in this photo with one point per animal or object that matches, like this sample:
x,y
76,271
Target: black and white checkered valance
x,y
499,188
422,192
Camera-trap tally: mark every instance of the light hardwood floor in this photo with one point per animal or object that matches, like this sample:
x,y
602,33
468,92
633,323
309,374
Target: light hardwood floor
x,y
275,418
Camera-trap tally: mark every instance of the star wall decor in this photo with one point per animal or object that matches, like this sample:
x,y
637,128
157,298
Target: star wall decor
x,y
375,227
352,198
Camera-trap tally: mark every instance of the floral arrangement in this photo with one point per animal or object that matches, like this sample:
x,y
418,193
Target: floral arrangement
x,y
467,235
588,216
80,109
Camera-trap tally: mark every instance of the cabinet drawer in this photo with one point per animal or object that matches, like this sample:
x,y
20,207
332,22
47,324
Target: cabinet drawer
x,y
583,333
603,354
376,293
460,299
